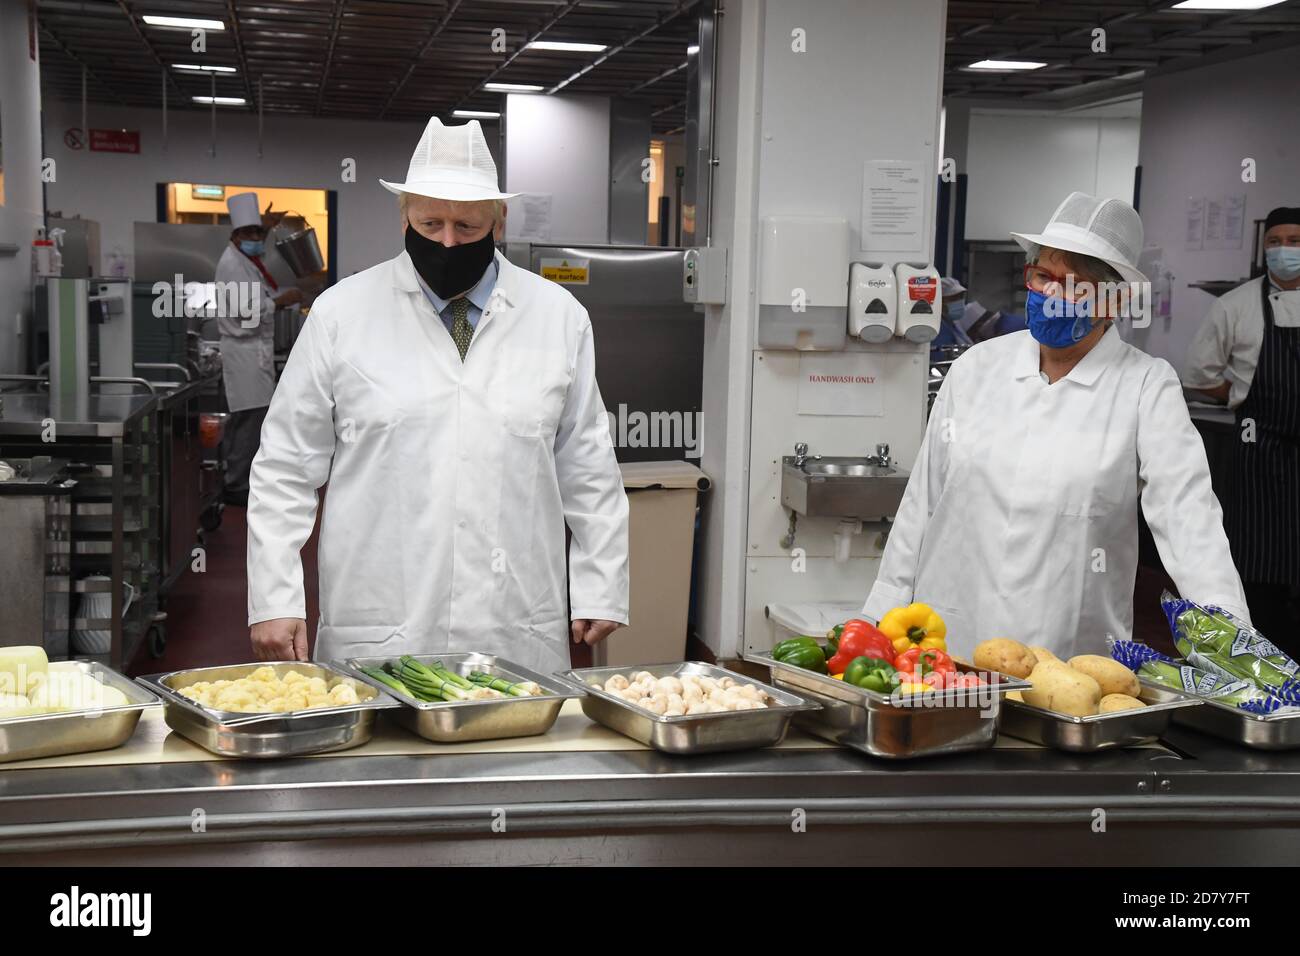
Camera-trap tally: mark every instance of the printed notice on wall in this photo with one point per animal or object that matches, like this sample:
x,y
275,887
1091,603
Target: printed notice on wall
x,y
893,205
530,217
1214,222
1195,223
839,383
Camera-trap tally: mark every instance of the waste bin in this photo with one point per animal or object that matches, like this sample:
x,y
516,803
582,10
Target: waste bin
x,y
662,500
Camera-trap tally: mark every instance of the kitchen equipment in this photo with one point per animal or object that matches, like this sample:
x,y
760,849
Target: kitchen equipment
x,y
35,531
919,302
450,722
1121,728
289,734
895,726
1273,732
97,603
288,323
690,733
52,735
299,248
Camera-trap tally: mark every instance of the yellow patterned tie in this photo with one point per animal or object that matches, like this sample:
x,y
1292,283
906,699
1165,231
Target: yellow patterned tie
x,y
461,330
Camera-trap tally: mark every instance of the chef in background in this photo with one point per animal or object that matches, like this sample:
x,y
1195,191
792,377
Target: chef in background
x,y
247,298
1247,354
449,399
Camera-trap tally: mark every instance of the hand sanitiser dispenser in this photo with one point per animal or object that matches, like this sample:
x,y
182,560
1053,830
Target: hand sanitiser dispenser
x,y
873,302
919,302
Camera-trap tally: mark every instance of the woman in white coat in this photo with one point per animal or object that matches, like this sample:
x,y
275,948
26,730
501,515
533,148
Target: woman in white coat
x,y
1020,518
449,399
247,297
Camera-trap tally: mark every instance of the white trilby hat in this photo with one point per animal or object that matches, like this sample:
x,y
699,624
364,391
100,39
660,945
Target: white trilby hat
x,y
1107,229
243,210
451,162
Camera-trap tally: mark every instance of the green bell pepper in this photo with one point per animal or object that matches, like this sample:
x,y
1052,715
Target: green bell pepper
x,y
809,658
795,643
871,673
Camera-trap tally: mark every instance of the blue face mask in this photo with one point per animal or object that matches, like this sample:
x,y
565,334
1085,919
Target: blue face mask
x,y
252,247
955,311
1284,261
1057,322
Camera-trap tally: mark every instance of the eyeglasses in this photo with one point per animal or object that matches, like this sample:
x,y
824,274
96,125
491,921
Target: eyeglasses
x,y
1038,279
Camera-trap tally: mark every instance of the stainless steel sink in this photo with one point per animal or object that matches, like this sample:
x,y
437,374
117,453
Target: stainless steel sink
x,y
844,487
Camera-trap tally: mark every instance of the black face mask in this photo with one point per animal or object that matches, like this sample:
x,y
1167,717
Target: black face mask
x,y
449,270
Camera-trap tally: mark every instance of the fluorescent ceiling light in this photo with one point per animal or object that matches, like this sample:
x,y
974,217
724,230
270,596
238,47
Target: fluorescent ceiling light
x,y
1006,65
476,114
203,69
513,87
565,46
1224,4
220,100
692,49
197,23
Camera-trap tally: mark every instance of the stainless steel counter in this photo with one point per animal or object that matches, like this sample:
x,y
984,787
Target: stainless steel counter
x,y
1213,804
101,415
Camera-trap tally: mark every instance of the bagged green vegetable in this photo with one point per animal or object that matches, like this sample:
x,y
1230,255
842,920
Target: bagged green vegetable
x,y
1215,641
1193,680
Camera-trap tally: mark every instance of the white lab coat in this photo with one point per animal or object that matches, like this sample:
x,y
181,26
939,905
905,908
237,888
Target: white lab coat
x,y
1020,516
450,483
1226,347
246,321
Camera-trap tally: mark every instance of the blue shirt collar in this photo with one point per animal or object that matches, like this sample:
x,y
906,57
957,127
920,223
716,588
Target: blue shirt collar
x,y
478,295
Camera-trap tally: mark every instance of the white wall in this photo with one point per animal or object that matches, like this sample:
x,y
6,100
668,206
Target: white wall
x,y
1197,127
119,190
794,130
560,145
1022,163
21,213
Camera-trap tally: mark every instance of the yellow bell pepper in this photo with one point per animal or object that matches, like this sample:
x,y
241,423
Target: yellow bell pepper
x,y
911,688
837,676
913,626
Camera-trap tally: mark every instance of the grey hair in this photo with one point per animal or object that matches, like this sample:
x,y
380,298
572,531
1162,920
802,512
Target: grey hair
x,y
498,207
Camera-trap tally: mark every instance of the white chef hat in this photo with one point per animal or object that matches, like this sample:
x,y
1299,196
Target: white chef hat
x,y
243,210
451,162
950,286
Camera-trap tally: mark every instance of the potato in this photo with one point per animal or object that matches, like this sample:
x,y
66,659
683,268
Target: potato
x,y
1060,688
21,667
1005,656
1015,695
1112,676
1043,654
16,705
1112,702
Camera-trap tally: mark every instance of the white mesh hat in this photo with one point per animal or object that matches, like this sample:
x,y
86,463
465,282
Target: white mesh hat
x,y
451,162
1107,229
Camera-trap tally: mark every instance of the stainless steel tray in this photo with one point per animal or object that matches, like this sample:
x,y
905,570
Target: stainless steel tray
x,y
1280,732
950,721
53,735
687,734
290,734
1123,728
449,722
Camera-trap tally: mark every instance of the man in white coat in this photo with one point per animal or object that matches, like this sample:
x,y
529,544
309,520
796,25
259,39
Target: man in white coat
x,y
449,399
247,297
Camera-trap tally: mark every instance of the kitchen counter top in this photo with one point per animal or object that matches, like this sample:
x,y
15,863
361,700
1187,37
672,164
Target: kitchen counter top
x,y
100,415
1196,800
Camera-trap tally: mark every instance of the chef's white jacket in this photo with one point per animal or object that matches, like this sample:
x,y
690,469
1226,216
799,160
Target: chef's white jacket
x,y
1226,347
1020,517
450,483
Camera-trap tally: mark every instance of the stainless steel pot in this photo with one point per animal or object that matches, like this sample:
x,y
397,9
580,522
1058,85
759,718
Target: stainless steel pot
x,y
301,250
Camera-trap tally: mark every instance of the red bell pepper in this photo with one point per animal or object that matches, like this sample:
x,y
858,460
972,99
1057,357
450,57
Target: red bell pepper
x,y
924,660
859,639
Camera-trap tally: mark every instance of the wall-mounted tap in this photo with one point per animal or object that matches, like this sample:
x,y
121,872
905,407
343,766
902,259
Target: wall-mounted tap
x,y
881,457
800,453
